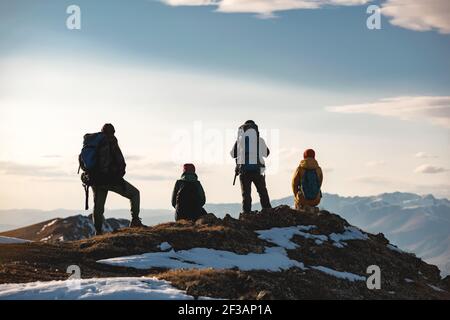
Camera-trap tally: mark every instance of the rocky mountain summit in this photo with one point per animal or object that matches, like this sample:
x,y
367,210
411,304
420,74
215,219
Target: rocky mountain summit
x,y
274,254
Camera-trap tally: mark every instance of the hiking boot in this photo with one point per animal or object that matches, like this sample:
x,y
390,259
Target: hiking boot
x,y
136,223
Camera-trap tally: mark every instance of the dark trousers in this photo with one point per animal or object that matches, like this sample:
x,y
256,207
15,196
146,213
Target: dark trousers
x,y
125,189
246,186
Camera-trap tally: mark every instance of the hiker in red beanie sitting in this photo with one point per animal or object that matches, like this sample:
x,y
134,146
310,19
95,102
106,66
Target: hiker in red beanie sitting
x,y
188,196
307,182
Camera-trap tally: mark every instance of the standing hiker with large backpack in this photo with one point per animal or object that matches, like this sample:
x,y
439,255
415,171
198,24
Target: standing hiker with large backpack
x,y
307,183
249,151
188,196
103,168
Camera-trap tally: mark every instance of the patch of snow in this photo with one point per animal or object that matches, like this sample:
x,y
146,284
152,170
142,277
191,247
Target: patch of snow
x,y
46,238
273,259
48,225
436,288
131,288
282,236
350,233
394,248
409,280
340,274
165,246
10,240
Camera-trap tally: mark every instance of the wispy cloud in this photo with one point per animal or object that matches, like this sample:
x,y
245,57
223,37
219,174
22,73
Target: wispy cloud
x,y
264,8
51,156
424,155
429,169
435,109
372,180
19,169
419,15
152,177
375,163
154,171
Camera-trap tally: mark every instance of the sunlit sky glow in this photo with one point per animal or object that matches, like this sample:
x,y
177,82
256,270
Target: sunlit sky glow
x,y
375,105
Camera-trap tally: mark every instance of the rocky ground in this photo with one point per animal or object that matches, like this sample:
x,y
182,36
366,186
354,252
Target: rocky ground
x,y
403,276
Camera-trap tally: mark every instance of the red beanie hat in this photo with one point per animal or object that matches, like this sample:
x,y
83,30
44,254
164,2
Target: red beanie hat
x,y
188,168
309,153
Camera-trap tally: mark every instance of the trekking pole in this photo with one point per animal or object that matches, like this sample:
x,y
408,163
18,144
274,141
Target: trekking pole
x,y
236,173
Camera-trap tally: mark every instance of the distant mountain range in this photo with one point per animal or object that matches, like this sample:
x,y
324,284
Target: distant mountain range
x,y
64,229
419,224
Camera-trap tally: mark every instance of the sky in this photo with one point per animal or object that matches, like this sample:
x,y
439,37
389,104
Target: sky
x,y
178,77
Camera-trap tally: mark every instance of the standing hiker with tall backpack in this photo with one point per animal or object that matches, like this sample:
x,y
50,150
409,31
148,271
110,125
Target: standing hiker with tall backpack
x,y
307,183
188,196
103,168
249,151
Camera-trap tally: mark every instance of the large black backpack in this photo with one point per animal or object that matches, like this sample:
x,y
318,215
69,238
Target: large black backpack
x,y
247,166
187,201
88,161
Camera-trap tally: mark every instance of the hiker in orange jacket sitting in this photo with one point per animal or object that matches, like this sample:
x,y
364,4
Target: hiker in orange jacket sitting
x,y
307,182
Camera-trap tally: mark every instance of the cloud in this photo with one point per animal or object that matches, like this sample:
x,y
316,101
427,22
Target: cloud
x,y
373,180
51,156
419,15
434,109
375,163
429,169
18,169
154,171
134,157
424,155
152,177
264,8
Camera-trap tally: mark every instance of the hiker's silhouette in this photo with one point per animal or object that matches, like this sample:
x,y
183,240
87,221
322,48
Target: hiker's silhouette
x,y
249,151
104,168
307,181
188,196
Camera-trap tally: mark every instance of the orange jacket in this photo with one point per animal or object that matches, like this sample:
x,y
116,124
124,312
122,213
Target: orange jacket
x,y
308,163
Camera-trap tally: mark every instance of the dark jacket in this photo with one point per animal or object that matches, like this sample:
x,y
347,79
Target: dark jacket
x,y
111,163
191,208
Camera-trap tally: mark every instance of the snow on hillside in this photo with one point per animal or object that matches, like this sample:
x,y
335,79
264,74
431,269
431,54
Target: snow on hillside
x,y
273,259
415,223
94,289
10,240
